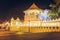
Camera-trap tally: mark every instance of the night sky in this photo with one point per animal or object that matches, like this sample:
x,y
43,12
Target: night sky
x,y
15,8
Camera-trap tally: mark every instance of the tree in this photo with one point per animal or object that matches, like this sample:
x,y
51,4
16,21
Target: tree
x,y
57,2
52,14
58,11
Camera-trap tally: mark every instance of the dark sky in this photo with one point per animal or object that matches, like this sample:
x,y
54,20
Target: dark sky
x,y
15,8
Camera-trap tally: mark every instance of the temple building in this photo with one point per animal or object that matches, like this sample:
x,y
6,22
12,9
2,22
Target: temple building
x,y
35,20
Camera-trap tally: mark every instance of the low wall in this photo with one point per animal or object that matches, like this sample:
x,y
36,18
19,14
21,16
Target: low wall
x,y
35,29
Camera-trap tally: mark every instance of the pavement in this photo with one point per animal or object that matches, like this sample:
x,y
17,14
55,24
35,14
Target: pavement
x,y
5,33
8,35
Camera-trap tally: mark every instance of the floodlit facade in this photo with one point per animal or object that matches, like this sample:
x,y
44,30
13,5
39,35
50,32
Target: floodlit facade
x,y
32,23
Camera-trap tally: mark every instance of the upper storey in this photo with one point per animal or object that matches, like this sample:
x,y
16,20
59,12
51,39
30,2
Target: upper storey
x,y
33,9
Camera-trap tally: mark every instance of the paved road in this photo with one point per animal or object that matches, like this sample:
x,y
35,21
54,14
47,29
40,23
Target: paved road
x,y
30,36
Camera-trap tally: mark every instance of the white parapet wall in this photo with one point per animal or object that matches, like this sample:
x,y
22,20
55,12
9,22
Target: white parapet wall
x,y
42,23
50,24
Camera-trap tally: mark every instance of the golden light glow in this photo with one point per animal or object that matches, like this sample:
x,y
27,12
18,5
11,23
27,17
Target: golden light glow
x,y
17,24
33,24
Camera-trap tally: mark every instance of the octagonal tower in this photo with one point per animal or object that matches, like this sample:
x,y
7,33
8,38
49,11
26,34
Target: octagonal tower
x,y
32,12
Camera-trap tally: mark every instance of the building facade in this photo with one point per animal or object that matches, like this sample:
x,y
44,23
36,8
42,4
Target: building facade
x,y
32,23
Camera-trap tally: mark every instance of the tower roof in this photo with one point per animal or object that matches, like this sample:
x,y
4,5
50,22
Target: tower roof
x,y
12,18
34,6
17,18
